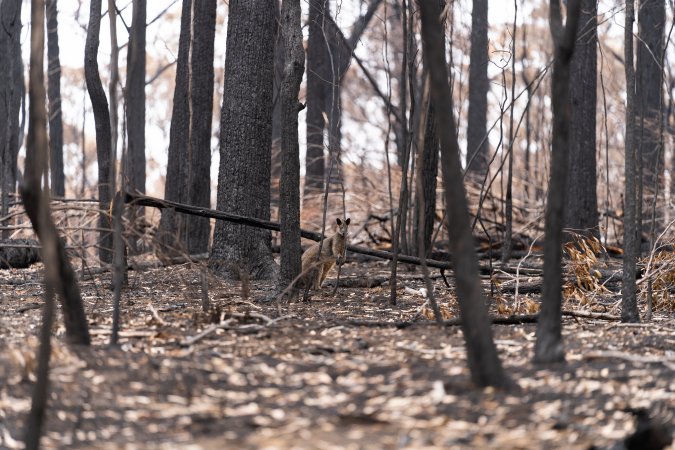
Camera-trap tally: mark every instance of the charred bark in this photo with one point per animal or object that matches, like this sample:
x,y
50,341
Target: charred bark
x,y
581,210
549,346
172,226
11,93
479,84
135,111
245,142
485,366
99,105
201,98
649,102
629,310
54,92
289,205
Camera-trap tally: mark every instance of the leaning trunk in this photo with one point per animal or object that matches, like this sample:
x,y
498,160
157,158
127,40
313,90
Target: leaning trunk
x,y
99,105
486,369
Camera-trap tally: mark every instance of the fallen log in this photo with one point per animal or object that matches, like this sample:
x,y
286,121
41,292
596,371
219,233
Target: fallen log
x,y
144,200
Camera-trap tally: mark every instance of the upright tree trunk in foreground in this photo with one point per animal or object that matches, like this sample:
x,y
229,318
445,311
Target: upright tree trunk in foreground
x,y
549,346
99,105
37,207
173,226
289,204
486,369
58,273
479,84
245,142
201,108
54,92
581,206
629,310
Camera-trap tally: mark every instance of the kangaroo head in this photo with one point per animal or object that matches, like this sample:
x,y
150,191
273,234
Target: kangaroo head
x,y
342,226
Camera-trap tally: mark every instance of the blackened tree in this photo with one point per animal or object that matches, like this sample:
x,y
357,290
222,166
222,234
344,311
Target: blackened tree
x,y
201,113
289,205
549,346
329,53
11,93
318,90
245,141
172,226
476,146
427,167
581,206
54,93
188,170
485,366
135,106
649,101
99,104
629,310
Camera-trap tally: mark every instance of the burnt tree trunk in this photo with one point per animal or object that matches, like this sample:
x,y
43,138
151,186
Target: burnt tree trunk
x,y
649,101
37,207
11,93
54,92
479,84
507,247
549,346
59,275
329,53
427,168
201,97
135,93
99,105
245,141
485,366
581,207
135,111
318,90
172,226
289,212
277,119
629,310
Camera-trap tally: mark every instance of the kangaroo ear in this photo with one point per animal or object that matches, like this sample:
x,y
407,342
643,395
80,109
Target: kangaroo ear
x,y
339,222
348,220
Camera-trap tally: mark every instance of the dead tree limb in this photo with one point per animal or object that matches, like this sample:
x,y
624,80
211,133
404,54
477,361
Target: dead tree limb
x,y
144,200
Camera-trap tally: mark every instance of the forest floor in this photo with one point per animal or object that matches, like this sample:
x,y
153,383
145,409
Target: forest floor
x,y
332,373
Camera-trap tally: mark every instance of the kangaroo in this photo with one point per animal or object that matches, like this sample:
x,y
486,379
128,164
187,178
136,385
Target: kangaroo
x,y
333,249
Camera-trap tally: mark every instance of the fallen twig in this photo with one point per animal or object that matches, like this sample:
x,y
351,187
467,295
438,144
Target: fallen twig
x,y
198,337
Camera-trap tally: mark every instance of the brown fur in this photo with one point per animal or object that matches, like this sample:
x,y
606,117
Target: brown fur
x,y
316,268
